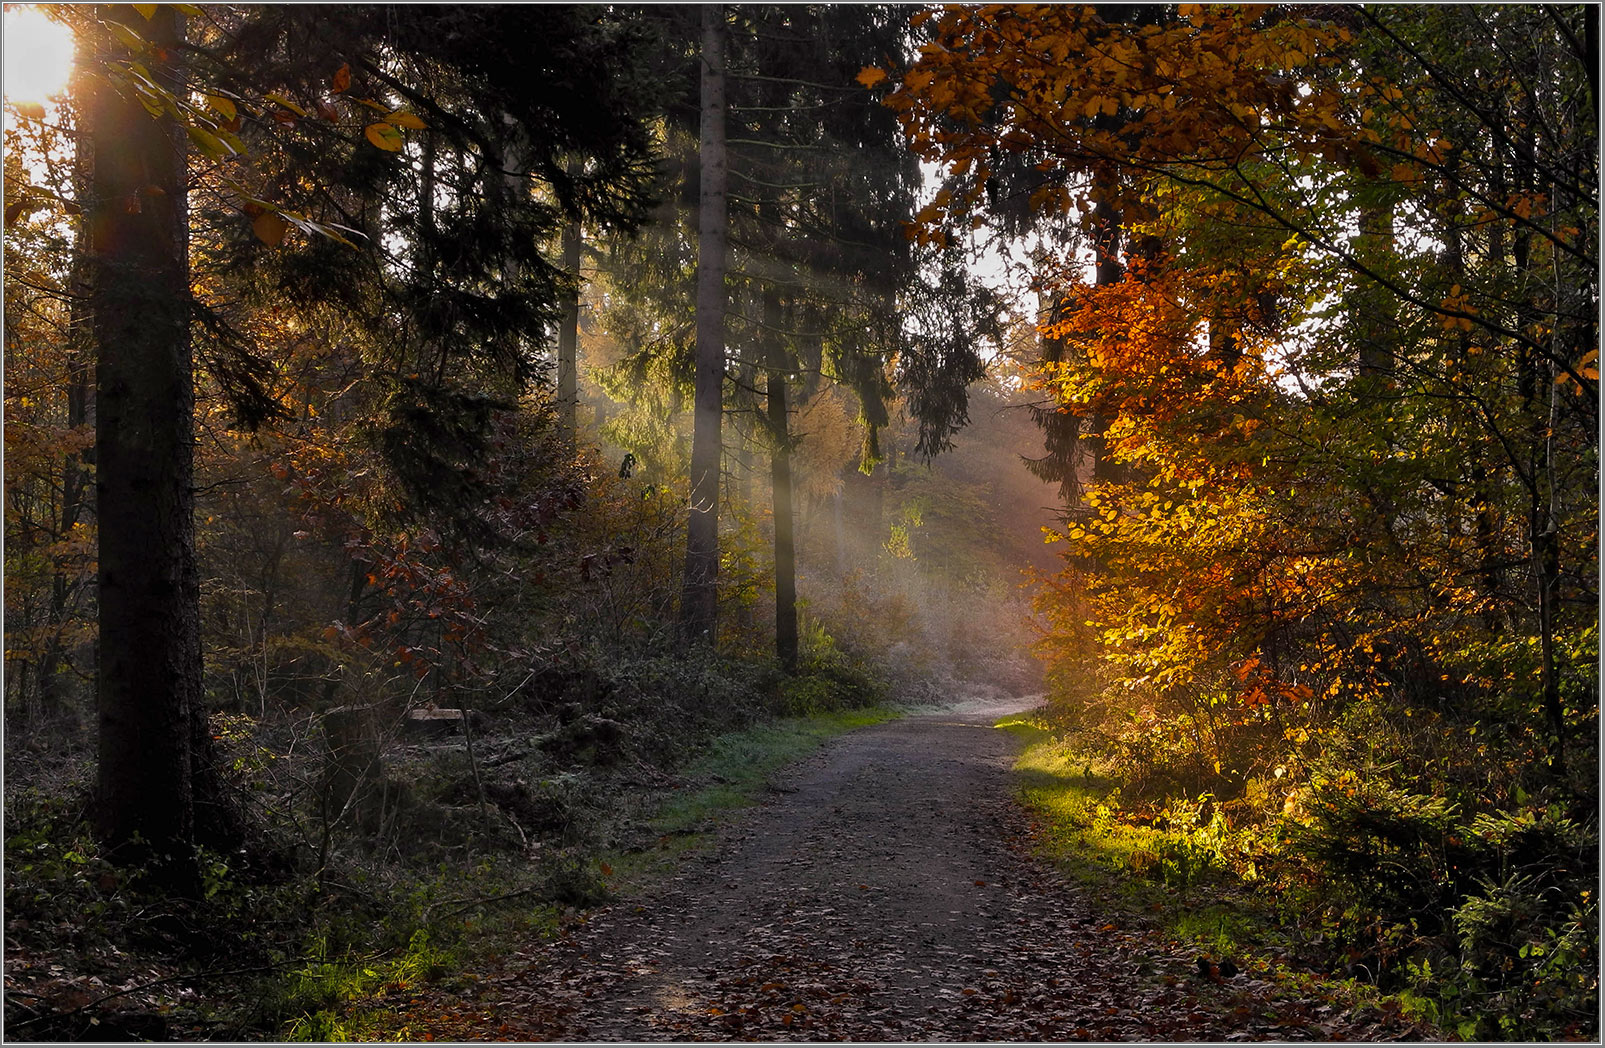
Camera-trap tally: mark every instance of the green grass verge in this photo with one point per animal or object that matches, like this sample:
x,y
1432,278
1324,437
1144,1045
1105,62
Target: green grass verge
x,y
733,775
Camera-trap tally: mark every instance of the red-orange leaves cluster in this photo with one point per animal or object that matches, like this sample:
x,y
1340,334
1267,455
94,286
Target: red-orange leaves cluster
x,y
1074,92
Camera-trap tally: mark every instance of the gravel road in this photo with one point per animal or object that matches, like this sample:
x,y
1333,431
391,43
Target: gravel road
x,y
886,892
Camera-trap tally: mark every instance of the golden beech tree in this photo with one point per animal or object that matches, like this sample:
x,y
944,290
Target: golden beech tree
x,y
1345,373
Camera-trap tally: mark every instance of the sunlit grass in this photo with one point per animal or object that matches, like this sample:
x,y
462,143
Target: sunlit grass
x,y
1141,868
1141,873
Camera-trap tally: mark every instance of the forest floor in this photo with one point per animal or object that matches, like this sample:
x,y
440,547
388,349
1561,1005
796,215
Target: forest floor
x,y
888,890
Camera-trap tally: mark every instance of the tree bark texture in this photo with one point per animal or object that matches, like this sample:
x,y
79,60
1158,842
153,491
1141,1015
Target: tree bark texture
x,y
699,599
568,339
148,684
780,485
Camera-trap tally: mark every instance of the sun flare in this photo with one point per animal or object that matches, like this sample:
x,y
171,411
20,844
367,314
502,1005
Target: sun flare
x,y
38,55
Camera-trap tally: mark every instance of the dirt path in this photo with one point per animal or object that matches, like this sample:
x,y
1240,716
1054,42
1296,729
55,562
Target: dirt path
x,y
884,894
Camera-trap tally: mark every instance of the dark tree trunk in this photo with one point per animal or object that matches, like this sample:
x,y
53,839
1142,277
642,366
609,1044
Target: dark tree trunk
x,y
148,685
780,483
568,339
699,600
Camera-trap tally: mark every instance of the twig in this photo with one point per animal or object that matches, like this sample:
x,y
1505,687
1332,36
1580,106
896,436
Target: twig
x,y
464,904
145,986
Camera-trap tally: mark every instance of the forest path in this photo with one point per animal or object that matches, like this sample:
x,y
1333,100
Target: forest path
x,y
887,892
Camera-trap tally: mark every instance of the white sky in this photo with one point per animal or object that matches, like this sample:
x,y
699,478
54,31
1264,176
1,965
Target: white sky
x,y
38,55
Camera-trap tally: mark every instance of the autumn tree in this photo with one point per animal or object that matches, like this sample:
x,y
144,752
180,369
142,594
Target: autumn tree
x,y
1238,148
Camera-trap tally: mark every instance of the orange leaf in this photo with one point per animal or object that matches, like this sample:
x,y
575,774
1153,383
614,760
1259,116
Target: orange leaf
x,y
342,78
869,76
270,228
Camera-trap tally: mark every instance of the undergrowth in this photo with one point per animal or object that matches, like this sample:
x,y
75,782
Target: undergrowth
x,y
1483,925
485,844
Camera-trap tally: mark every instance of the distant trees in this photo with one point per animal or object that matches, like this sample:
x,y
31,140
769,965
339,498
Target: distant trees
x,y
822,283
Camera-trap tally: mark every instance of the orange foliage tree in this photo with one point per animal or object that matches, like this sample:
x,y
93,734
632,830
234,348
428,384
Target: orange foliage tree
x,y
1344,393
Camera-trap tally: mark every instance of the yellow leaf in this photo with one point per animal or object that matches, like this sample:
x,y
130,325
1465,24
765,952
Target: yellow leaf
x,y
407,118
223,106
29,110
384,136
270,228
286,103
147,10
869,76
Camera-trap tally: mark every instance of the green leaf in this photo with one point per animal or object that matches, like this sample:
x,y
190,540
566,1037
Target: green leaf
x,y
130,39
148,11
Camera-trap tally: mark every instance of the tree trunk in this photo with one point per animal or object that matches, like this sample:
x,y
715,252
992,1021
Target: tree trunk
x,y
699,600
780,484
148,683
568,339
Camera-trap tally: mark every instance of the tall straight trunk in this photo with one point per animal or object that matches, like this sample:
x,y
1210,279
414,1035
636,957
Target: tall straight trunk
x,y
568,339
148,684
780,484
699,598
